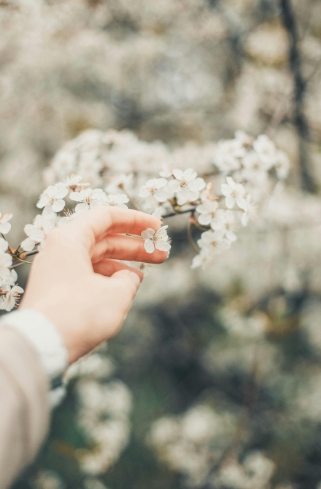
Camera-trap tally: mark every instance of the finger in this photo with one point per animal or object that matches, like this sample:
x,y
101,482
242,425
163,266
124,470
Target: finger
x,y
128,248
91,226
128,283
110,267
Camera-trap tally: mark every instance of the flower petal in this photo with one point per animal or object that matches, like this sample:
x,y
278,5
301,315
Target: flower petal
x,y
149,246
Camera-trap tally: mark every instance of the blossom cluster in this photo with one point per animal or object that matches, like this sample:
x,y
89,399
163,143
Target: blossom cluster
x,y
236,179
220,201
103,414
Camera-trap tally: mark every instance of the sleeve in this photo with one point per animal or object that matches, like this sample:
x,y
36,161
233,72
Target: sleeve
x,y
24,401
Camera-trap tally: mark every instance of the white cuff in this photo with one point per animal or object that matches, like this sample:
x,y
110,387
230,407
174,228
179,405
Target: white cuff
x,y
44,336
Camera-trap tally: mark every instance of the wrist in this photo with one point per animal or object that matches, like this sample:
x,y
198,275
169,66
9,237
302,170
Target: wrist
x,y
44,336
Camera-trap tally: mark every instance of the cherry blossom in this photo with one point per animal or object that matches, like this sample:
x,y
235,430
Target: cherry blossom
x,y
154,191
73,182
5,226
207,211
211,244
186,185
250,211
39,230
266,150
225,222
53,197
118,200
234,193
10,297
156,239
5,258
228,155
88,198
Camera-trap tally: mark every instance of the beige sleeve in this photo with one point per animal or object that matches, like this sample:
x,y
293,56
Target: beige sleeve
x,y
24,404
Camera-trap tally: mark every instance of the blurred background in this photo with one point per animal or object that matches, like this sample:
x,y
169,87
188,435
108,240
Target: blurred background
x,y
215,380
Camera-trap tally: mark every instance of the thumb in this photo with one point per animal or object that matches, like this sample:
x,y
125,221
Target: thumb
x,y
128,282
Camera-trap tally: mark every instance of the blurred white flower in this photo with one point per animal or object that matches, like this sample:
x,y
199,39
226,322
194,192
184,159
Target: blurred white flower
x,y
207,210
250,211
10,297
186,185
53,197
117,200
228,155
225,221
39,230
154,190
266,150
88,198
156,239
5,226
234,193
73,182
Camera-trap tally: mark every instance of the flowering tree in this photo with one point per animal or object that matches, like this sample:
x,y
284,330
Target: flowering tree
x,y
214,381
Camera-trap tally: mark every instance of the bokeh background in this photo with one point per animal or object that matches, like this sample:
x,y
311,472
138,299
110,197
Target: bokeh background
x,y
215,380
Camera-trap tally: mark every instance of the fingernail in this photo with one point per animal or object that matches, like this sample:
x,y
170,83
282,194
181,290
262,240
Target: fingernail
x,y
135,278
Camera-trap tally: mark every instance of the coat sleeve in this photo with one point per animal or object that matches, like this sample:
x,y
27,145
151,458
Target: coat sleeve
x,y
24,404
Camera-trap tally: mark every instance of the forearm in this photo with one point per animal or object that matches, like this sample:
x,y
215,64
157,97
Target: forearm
x,y
25,410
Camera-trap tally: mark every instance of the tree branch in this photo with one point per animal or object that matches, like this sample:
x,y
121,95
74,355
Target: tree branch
x,y
300,121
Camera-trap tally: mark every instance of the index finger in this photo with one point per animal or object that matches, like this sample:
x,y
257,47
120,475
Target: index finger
x,y
93,225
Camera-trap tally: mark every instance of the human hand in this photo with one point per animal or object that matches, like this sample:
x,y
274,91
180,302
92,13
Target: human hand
x,y
77,282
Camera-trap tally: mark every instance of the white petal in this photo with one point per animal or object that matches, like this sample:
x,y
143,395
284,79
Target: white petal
x,y
190,175
3,245
148,233
42,202
5,227
81,208
174,185
178,174
226,189
197,185
149,246
163,245
229,201
241,202
76,196
231,182
58,205
28,244
183,196
204,219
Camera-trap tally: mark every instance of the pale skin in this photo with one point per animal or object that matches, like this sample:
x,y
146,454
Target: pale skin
x,y
78,283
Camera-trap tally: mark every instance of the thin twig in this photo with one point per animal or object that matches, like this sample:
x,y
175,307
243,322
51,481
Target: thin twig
x,y
172,214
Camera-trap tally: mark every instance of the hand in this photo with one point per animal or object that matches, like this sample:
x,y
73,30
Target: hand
x,y
77,282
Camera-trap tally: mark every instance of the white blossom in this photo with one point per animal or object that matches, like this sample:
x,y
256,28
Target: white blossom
x,y
156,239
253,168
228,155
5,226
117,200
39,230
9,297
234,193
186,185
73,182
154,190
88,198
207,211
5,258
266,150
250,211
53,197
7,277
225,222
